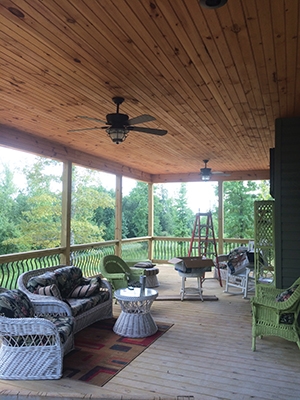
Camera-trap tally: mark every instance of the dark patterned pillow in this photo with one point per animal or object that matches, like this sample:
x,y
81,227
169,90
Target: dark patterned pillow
x,y
46,279
15,304
68,278
286,294
85,291
51,290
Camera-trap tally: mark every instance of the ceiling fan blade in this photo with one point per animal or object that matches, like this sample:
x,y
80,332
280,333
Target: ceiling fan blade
x,y
159,132
221,173
87,129
141,119
91,119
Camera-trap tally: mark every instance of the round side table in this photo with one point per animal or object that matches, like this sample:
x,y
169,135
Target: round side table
x,y
135,320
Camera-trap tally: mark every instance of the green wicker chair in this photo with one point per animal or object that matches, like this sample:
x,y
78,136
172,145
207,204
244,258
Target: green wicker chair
x,y
118,273
276,312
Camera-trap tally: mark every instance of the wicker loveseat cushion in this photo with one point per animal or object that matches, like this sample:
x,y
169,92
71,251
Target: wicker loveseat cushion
x,y
80,305
64,325
15,304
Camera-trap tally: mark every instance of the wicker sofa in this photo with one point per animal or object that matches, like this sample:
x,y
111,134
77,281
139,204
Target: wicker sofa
x,y
86,299
34,337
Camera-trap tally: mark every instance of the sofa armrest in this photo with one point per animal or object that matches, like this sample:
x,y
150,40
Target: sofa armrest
x,y
48,305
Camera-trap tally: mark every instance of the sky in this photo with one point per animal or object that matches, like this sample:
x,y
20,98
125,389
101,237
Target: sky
x,y
200,194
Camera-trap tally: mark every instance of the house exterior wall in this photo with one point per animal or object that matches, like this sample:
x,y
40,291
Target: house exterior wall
x,y
287,200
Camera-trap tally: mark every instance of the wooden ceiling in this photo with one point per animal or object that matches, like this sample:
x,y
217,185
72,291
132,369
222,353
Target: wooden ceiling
x,y
215,79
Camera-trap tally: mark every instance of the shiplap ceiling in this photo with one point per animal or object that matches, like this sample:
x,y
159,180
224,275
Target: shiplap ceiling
x,y
216,80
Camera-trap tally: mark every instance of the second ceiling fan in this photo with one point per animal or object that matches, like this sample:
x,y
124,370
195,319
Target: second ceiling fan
x,y
207,172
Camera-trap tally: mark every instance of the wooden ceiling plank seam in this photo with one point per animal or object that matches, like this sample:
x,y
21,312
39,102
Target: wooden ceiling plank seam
x,y
214,47
262,42
267,35
244,42
165,35
89,85
172,90
243,65
278,24
291,34
205,74
175,79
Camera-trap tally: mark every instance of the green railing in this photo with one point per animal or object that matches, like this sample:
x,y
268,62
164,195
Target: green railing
x,y
88,256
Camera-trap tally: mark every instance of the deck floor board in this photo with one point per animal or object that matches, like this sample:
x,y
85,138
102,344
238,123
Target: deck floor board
x,y
206,355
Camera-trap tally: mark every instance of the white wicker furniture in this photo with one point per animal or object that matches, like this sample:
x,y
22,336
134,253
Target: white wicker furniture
x,y
135,320
32,348
83,319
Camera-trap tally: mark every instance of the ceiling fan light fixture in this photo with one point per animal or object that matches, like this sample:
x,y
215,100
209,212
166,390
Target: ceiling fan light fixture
x,y
117,135
212,4
205,174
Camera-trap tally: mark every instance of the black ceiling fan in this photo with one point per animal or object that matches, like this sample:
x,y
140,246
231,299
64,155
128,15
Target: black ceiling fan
x,y
118,125
207,172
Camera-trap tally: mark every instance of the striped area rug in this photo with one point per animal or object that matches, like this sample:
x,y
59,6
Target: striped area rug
x,y
100,354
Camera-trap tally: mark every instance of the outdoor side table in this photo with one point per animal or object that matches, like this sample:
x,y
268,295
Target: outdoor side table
x,y
135,320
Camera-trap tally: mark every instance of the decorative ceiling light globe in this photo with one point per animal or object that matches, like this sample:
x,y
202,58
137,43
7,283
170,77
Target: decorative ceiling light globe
x,y
212,3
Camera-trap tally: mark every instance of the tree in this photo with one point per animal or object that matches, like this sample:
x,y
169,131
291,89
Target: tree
x,y
184,216
239,197
164,212
10,214
87,197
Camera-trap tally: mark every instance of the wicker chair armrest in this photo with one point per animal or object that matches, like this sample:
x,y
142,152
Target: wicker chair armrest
x,y
106,285
136,272
119,275
48,305
27,326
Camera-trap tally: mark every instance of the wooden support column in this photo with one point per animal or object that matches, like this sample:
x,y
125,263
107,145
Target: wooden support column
x,y
66,212
221,218
118,215
150,219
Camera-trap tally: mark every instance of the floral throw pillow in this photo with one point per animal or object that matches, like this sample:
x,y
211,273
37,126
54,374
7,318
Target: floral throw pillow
x,y
15,304
286,294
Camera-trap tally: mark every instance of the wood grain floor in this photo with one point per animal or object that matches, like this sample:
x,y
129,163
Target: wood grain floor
x,y
206,355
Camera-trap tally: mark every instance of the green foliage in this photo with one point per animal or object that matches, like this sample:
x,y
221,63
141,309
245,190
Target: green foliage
x,y
239,197
89,200
184,217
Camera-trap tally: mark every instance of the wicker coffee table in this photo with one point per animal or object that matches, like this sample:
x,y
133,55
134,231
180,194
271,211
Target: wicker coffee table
x,y
135,320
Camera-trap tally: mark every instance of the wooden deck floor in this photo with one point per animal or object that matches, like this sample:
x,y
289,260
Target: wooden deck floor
x,y
206,355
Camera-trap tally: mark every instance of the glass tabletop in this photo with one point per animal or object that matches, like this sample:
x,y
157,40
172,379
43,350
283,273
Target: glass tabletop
x,y
135,293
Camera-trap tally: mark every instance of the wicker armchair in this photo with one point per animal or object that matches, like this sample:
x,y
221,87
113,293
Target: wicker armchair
x,y
118,273
276,312
33,337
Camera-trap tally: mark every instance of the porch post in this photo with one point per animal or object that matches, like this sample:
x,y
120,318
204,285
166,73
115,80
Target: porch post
x,y
66,212
150,220
220,218
118,215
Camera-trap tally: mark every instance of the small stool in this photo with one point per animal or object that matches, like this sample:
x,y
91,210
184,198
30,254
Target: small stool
x,y
151,277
